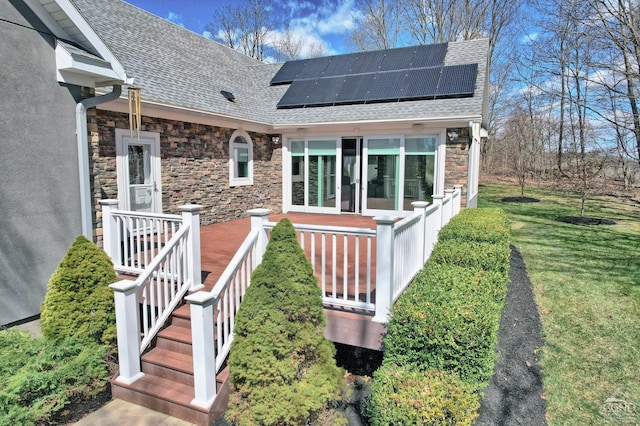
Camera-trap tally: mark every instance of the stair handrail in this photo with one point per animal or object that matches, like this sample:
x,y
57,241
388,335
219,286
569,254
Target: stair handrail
x,y
144,305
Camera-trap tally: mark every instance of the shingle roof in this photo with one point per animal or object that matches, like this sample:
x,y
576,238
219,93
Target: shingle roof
x,y
177,67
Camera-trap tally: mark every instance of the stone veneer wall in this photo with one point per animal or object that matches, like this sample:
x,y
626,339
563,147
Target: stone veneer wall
x,y
457,165
194,168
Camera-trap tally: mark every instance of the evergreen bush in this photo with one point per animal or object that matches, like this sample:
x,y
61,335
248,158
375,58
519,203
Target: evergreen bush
x,y
484,225
401,396
448,321
79,301
473,254
39,377
282,368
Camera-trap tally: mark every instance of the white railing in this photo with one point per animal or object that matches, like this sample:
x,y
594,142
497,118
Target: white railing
x,y
341,259
408,235
144,305
135,238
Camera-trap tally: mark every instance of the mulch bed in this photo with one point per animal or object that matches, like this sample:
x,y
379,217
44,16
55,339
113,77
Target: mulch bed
x,y
514,395
585,220
520,200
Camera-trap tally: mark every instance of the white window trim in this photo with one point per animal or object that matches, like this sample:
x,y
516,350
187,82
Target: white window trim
x,y
233,180
122,174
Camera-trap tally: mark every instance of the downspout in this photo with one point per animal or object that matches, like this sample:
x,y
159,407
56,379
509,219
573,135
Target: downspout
x,y
83,155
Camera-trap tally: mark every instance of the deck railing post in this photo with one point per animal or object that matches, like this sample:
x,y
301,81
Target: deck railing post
x,y
110,230
191,218
384,267
203,346
420,207
457,198
439,200
448,208
128,330
258,219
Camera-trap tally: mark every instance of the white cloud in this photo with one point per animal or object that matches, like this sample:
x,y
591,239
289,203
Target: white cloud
x,y
176,18
529,38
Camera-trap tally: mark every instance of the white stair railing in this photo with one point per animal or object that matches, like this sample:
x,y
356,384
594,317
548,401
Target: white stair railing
x,y
145,304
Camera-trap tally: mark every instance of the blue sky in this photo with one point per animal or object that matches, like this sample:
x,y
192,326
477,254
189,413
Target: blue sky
x,y
324,22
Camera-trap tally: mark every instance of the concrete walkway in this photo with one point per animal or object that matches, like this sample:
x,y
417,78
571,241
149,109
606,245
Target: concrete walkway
x,y
121,413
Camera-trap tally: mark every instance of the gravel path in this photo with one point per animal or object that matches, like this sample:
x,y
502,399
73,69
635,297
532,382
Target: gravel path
x,y
514,394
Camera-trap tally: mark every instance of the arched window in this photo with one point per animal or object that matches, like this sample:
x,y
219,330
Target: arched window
x,y
240,159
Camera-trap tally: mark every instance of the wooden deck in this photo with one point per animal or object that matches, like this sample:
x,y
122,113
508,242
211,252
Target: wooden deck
x,y
219,242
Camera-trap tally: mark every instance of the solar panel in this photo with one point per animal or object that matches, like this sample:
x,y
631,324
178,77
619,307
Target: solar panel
x,y
386,86
325,91
397,59
313,68
431,55
367,62
421,83
458,80
340,65
288,72
355,88
296,94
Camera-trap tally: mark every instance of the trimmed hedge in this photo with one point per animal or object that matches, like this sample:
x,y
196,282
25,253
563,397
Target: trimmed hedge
x,y
404,397
447,321
281,366
79,302
477,255
482,225
39,377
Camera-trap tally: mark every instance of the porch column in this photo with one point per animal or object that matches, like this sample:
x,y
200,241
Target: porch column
x,y
384,267
447,212
458,192
438,200
420,207
203,346
258,219
110,230
191,218
128,330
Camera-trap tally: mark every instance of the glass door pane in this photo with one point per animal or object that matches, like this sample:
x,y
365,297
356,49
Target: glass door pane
x,y
382,188
322,180
419,171
140,178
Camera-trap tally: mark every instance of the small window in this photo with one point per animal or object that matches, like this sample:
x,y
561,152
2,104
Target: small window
x,y
240,159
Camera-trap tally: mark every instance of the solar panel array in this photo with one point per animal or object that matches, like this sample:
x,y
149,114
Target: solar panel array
x,y
408,73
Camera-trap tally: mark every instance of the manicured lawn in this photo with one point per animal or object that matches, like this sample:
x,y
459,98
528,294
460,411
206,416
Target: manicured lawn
x,y
587,286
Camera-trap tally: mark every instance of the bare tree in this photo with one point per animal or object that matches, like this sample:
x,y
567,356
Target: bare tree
x,y
244,27
379,26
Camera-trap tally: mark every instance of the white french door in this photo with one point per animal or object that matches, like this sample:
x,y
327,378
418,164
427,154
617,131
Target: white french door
x,y
138,170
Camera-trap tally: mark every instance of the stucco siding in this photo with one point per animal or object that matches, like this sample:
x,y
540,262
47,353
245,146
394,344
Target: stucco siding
x,y
39,195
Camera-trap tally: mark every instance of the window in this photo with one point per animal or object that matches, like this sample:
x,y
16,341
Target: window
x,y
240,159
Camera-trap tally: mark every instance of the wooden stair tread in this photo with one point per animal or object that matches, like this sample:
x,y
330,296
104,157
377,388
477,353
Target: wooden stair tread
x,y
170,359
177,333
164,389
183,311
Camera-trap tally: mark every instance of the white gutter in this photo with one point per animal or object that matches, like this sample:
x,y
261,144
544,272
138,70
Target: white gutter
x,y
83,156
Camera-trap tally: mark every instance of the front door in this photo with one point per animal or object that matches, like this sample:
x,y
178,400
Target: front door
x,y
138,169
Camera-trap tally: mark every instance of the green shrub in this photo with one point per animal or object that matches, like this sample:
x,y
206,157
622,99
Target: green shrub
x,y
38,377
473,254
79,301
404,397
487,225
448,321
282,368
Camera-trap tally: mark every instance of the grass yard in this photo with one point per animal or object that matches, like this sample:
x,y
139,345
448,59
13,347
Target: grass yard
x,y
586,283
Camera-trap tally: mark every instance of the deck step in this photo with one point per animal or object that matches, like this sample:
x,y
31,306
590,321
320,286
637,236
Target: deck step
x,y
175,338
171,359
174,399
